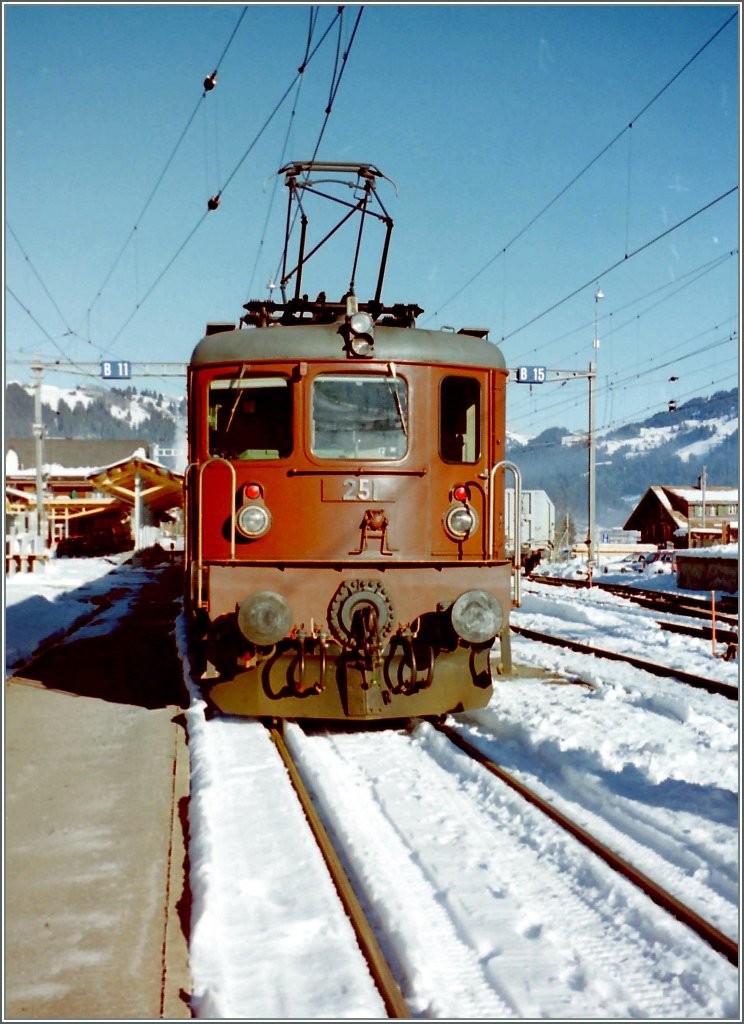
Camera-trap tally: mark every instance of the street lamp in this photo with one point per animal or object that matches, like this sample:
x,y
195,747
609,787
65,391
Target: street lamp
x,y
591,541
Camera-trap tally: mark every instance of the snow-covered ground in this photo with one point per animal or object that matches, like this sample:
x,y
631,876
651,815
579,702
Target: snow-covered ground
x,y
485,908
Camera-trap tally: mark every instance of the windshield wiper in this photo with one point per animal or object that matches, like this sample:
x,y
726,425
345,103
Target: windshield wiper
x,y
243,370
396,398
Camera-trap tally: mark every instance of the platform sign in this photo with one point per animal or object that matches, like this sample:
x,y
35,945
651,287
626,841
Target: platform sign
x,y
530,375
116,369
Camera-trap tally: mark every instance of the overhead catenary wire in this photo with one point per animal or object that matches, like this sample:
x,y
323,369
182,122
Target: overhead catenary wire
x,y
276,109
634,320
39,279
583,171
651,364
312,20
684,281
613,266
214,201
657,407
336,80
165,169
46,333
335,83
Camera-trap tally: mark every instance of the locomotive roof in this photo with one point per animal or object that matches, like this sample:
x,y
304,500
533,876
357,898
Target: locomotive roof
x,y
322,341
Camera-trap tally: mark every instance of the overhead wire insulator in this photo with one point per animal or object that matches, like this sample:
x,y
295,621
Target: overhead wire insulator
x,y
213,202
210,81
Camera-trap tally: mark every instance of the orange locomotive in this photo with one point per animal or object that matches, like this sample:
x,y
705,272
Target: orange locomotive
x,y
345,534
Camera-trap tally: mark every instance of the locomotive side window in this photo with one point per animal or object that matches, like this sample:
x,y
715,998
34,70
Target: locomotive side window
x,y
459,420
359,417
250,418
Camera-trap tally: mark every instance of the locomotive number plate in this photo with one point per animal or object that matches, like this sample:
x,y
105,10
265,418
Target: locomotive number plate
x,y
357,488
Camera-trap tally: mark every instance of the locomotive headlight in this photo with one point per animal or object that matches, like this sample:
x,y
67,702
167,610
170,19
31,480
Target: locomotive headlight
x,y
361,346
358,331
253,521
361,323
477,616
460,521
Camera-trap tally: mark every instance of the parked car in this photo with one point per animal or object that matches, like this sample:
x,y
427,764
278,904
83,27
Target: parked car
x,y
632,563
660,562
629,563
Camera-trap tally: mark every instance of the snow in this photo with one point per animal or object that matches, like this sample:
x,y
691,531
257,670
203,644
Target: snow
x,y
713,494
712,551
47,602
135,414
648,438
720,430
485,909
52,395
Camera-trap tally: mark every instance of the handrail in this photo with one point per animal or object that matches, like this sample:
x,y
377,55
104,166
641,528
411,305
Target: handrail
x,y
200,523
517,553
186,520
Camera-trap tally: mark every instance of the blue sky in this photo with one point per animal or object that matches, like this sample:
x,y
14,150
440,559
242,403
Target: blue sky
x,y
482,115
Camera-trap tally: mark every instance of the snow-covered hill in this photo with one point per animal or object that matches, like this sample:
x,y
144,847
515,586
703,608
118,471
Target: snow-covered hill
x,y
91,411
669,448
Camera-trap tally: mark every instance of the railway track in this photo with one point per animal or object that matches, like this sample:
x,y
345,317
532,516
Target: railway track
x,y
698,682
360,780
378,965
725,636
709,933
675,604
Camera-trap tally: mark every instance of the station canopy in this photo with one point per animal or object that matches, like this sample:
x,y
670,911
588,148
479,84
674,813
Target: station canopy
x,y
160,489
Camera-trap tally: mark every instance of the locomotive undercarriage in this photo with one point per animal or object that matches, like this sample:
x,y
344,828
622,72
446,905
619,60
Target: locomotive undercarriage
x,y
362,661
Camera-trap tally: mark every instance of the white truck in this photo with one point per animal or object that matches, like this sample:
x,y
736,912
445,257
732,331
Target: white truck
x,y
537,526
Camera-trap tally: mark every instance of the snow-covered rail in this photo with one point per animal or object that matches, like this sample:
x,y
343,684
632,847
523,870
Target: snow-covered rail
x,y
711,685
708,932
378,965
483,907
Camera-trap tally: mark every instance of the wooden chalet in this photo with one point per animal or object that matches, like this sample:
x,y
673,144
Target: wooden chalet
x,y
92,488
687,517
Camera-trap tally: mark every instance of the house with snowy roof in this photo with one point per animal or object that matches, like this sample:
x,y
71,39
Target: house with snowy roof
x,y
687,517
97,494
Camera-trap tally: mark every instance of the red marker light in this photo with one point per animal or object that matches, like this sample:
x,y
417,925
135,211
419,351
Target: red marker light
x,y
253,491
460,493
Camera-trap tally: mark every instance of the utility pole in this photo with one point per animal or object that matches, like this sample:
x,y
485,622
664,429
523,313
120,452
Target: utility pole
x,y
38,429
591,539
703,482
591,545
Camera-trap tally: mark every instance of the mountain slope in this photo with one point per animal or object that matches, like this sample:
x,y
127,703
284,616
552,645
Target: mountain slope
x,y
96,412
668,448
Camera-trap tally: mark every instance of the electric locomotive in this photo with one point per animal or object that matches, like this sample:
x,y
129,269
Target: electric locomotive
x,y
344,520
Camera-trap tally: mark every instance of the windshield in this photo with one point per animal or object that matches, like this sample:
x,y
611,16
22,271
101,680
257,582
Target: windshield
x,y
357,417
250,418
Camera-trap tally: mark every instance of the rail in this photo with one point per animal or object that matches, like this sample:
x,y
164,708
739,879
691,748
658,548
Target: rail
x,y
709,933
378,965
664,671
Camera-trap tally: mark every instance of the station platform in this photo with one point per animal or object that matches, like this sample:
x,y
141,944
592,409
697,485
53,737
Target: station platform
x,y
94,859
97,904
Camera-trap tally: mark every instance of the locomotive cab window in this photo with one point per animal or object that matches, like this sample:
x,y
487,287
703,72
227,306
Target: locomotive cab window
x,y
459,420
250,418
359,417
